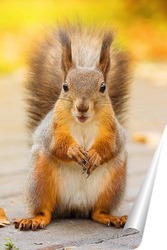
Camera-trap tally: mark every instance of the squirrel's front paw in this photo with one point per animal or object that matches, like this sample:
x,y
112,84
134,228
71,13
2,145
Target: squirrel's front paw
x,y
77,153
93,162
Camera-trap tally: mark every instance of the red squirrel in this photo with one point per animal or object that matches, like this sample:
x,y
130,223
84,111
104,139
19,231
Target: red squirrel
x,y
78,90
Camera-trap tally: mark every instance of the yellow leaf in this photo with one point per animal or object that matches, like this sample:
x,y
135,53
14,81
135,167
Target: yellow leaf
x,y
3,218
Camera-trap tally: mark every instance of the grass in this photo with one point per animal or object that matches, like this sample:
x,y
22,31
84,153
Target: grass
x,y
9,245
141,27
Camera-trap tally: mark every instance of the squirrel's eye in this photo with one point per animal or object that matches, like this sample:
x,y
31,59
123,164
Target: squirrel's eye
x,y
65,87
102,87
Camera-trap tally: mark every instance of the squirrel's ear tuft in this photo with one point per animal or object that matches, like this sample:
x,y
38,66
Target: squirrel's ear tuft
x,y
104,60
66,60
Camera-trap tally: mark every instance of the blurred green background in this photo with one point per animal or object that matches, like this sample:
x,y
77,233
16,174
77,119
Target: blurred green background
x,y
140,25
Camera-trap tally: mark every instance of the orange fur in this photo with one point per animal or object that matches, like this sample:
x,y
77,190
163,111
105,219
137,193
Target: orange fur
x,y
63,142
114,184
45,175
105,143
62,139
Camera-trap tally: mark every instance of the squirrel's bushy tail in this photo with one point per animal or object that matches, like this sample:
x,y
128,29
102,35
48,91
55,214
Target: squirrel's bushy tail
x,y
44,80
119,80
46,76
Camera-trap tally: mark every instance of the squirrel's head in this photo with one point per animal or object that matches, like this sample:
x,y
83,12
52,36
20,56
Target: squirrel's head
x,y
85,89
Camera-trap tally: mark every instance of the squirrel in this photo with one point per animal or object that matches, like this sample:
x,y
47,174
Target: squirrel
x,y
78,89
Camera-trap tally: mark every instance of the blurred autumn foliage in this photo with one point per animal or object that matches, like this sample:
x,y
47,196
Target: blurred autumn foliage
x,y
140,25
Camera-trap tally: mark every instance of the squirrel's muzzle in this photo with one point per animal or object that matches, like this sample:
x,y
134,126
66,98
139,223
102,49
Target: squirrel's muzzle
x,y
82,109
82,105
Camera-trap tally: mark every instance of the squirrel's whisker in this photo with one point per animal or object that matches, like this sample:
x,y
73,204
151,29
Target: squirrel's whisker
x,y
64,99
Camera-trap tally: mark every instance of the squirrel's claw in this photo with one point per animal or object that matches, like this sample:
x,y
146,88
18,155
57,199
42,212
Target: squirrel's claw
x,y
83,168
77,153
88,176
93,162
84,162
91,169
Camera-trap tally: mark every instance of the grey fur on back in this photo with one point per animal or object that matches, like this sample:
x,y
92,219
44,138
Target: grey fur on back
x,y
46,77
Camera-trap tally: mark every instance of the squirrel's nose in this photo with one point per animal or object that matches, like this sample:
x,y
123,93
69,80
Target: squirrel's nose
x,y
82,105
82,109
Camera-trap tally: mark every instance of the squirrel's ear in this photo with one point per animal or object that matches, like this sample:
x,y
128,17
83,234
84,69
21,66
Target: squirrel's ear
x,y
66,60
104,60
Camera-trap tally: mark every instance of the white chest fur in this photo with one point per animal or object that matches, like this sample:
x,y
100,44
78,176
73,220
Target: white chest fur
x,y
84,134
76,191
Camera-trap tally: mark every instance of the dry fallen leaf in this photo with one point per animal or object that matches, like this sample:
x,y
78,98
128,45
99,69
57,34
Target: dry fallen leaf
x,y
3,218
150,138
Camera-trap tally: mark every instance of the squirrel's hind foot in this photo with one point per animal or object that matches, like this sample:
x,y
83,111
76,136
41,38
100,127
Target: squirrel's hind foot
x,y
109,220
37,222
